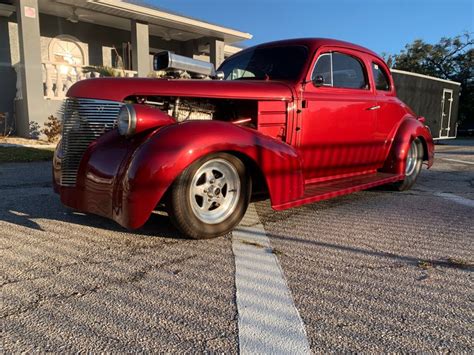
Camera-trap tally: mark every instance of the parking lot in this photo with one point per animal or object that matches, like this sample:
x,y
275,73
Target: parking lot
x,y
372,271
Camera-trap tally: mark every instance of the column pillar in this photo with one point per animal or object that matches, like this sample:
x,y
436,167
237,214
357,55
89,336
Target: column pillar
x,y
216,52
140,48
188,48
30,108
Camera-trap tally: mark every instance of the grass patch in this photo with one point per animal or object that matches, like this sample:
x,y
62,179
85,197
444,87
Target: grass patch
x,y
25,154
454,263
277,252
425,264
459,263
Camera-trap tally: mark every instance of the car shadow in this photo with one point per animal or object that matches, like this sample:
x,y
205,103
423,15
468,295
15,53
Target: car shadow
x,y
455,152
27,213
48,206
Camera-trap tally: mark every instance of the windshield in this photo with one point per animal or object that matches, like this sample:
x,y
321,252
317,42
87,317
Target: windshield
x,y
266,63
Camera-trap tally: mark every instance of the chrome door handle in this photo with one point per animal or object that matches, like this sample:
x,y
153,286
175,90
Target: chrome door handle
x,y
373,108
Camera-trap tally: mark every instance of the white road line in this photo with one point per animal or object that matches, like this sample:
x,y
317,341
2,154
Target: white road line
x,y
268,319
459,161
455,198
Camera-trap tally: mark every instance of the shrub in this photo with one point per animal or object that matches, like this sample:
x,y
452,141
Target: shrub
x,y
52,129
34,130
104,71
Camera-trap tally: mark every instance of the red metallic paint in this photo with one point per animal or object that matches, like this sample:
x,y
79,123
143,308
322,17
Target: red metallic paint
x,y
125,179
345,111
310,143
421,119
407,130
166,154
102,166
338,187
149,117
362,134
117,89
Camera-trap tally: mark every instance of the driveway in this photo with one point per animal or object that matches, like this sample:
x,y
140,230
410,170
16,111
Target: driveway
x,y
373,271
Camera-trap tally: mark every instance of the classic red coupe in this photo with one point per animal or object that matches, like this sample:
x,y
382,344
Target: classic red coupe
x,y
297,120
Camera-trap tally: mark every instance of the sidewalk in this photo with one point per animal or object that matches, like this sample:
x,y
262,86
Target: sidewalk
x,y
6,142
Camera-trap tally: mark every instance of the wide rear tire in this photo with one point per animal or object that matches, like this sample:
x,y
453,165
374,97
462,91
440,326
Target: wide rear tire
x,y
210,197
413,166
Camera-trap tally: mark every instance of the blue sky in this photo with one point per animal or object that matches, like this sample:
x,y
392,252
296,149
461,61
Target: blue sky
x,y
383,26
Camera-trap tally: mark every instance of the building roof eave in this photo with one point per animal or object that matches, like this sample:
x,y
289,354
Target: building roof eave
x,y
424,76
158,17
6,10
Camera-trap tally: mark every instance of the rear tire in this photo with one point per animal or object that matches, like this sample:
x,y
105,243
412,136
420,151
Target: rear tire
x,y
210,197
413,166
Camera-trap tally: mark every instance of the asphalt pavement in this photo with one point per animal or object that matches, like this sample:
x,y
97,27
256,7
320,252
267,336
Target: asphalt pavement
x,y
373,271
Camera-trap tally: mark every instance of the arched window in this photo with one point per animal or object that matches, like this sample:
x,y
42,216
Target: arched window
x,y
66,49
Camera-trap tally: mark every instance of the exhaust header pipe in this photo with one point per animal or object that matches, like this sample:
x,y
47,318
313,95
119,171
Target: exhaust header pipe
x,y
168,61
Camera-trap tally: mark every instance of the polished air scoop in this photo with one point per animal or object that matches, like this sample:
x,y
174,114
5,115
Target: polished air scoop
x,y
169,62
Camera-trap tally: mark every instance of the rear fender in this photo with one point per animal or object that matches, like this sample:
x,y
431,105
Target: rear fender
x,y
409,129
159,161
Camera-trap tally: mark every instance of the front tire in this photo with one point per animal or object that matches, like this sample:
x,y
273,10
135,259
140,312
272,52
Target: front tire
x,y
413,166
210,197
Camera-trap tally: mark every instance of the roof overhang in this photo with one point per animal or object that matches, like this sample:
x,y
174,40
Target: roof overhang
x,y
117,14
6,10
424,76
230,50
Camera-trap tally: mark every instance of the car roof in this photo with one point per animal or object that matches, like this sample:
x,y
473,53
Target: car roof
x,y
315,43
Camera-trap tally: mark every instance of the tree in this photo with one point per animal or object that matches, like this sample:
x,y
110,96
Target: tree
x,y
450,58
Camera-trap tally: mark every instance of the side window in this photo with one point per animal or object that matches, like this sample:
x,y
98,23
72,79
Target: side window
x,y
341,71
348,72
323,69
380,77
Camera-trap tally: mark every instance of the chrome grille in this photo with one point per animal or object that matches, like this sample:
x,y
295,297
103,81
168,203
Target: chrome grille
x,y
84,120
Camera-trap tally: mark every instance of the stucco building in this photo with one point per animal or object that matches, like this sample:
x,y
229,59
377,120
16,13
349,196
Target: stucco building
x,y
44,45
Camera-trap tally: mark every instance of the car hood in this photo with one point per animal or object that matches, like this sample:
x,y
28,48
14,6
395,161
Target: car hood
x,y
117,89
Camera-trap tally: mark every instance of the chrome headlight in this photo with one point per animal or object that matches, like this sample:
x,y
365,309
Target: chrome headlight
x,y
127,120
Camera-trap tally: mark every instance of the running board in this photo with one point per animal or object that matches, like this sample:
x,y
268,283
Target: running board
x,y
329,189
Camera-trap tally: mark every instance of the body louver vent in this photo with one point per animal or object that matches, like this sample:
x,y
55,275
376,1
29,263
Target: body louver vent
x,y
84,120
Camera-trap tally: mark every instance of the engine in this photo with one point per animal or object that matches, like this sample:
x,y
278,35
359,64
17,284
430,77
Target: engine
x,y
241,112
182,109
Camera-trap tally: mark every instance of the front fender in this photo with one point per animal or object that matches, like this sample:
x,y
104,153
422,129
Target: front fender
x,y
163,156
409,129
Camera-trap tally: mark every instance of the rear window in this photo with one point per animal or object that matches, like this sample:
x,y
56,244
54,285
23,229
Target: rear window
x,y
380,77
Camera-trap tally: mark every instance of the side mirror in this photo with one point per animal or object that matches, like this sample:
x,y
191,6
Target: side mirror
x,y
318,80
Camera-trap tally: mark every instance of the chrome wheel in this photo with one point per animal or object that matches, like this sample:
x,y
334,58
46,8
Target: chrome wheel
x,y
215,191
413,164
412,159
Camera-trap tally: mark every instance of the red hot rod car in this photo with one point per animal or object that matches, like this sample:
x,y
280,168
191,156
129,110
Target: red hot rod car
x,y
297,120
